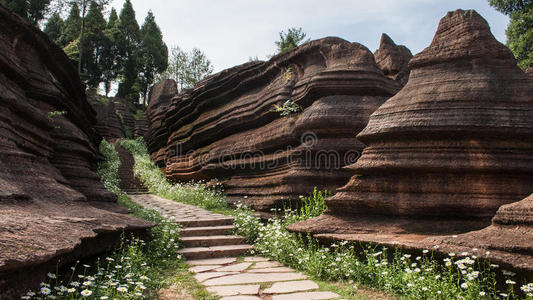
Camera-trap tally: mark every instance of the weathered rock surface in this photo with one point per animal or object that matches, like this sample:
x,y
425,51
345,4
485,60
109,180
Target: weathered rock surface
x,y
226,128
49,191
108,123
446,152
393,59
116,118
160,98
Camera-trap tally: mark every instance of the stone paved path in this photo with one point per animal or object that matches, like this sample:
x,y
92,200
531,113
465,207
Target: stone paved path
x,y
215,256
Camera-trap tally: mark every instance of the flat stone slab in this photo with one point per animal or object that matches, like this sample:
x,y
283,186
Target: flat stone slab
x,y
235,268
266,264
255,258
201,268
306,296
272,270
234,290
240,298
208,275
244,278
212,261
291,286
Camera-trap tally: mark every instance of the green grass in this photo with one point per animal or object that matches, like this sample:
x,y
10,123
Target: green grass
x,y
194,193
137,269
350,265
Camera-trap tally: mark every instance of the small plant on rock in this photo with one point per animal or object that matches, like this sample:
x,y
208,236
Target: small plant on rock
x,y
288,107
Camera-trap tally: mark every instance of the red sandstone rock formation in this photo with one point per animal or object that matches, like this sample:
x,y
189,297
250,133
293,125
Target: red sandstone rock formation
x,y
49,191
226,128
115,119
108,122
393,59
446,152
160,98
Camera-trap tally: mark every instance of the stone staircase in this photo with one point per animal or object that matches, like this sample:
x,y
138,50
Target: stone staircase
x,y
128,182
204,234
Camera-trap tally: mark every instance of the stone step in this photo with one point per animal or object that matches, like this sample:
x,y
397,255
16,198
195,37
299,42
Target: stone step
x,y
215,252
204,231
205,222
213,240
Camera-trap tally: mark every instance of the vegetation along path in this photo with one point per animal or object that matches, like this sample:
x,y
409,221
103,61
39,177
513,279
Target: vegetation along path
x,y
214,255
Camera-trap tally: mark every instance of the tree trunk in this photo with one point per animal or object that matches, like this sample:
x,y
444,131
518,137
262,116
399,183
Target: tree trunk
x,y
84,7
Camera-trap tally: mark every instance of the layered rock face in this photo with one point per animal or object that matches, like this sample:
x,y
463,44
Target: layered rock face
x,y
393,59
160,98
108,123
226,128
115,118
446,152
49,191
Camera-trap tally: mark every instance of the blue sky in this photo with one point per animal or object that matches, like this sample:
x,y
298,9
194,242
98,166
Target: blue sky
x,y
231,31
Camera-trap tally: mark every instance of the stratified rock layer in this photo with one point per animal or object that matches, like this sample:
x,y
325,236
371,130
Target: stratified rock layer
x,y
160,98
446,152
226,128
393,59
49,191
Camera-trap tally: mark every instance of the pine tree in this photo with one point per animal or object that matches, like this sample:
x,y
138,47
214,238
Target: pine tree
x,y
153,54
110,54
127,46
93,44
72,26
54,28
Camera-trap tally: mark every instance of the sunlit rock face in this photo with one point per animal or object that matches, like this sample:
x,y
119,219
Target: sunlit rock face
x,y
456,141
447,152
160,98
226,126
393,59
53,206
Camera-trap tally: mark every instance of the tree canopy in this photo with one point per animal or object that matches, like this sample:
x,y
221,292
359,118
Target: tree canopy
x,y
509,7
520,30
153,54
187,68
292,39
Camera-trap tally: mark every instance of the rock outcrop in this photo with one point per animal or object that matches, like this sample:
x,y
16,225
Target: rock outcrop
x,y
393,59
51,199
118,119
160,98
108,123
226,127
446,152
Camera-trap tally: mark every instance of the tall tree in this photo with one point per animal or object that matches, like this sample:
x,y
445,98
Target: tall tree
x,y
32,10
128,43
72,25
110,53
520,30
153,54
292,39
187,68
54,28
93,45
